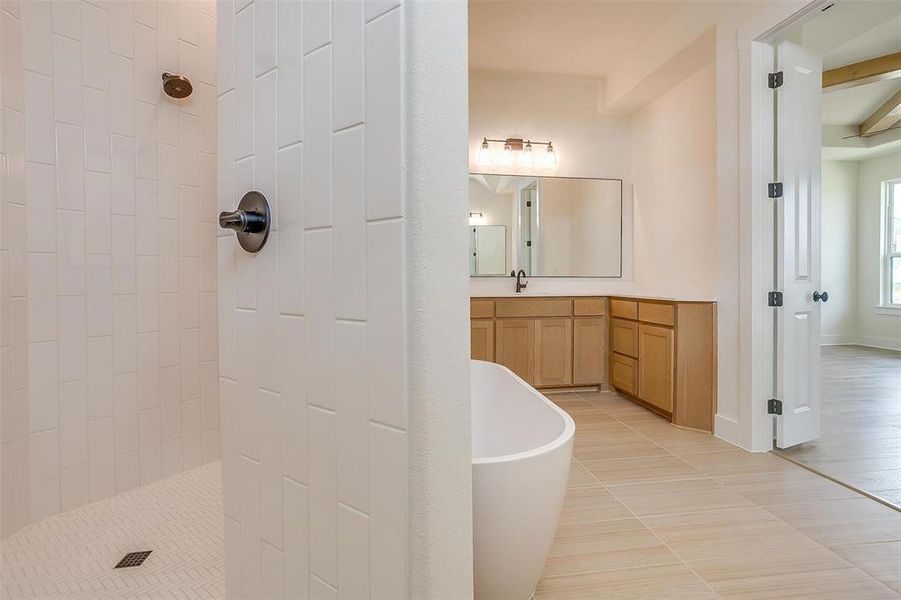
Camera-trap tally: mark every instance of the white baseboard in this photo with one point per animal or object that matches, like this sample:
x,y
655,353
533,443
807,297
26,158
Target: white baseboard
x,y
838,340
863,340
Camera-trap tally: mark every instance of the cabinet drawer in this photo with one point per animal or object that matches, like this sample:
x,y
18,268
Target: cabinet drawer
x,y
589,307
624,337
627,309
533,307
654,312
624,373
481,309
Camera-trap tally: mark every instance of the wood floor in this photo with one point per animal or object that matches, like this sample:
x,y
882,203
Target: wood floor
x,y
657,512
860,442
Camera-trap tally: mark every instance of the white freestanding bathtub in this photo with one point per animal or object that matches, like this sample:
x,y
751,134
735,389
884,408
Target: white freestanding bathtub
x,y
521,452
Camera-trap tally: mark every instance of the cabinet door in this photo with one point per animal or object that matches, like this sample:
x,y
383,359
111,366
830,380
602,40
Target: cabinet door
x,y
553,352
589,350
624,373
515,346
655,366
481,339
625,337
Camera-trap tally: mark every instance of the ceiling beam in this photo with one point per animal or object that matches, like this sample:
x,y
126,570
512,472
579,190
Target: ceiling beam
x,y
882,118
874,69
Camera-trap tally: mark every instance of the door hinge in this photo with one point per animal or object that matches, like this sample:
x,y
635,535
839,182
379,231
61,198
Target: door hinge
x,y
774,190
774,407
774,80
774,299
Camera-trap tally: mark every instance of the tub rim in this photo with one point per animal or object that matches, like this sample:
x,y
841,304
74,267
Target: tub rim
x,y
569,426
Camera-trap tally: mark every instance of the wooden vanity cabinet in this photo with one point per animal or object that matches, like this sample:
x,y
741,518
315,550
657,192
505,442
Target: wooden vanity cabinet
x,y
553,352
589,350
656,361
481,339
515,346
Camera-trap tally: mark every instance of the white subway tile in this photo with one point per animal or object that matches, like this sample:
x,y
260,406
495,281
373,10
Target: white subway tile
x,y
145,142
190,365
101,466
147,74
271,434
125,412
383,118
122,97
43,461
167,35
70,267
41,209
191,450
208,268
74,486
225,45
149,456
72,338
40,142
121,23
67,81
189,222
168,182
350,225
127,475
353,553
347,54
388,512
123,255
267,314
170,404
291,343
147,213
206,50
231,450
297,535
43,389
124,334
69,166
209,395
208,186
188,148
228,345
148,381
122,180
73,423
290,239
167,124
225,192
189,292
95,47
171,454
317,24
320,311
36,37
385,318
100,377
42,323
96,130
376,8
67,18
100,295
11,48
290,74
265,26
187,65
211,445
244,82
169,333
169,255
145,12
251,562
317,145
265,127
233,555
248,384
147,303
323,495
272,579
205,97
352,415
187,20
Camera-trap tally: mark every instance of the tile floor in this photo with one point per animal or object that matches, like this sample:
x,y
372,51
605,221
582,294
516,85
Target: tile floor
x,y
653,511
71,555
861,426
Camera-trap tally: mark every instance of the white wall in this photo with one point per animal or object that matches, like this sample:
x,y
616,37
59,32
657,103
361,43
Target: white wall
x,y
113,358
333,402
839,251
873,329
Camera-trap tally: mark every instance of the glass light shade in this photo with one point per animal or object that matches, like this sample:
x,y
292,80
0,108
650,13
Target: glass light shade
x,y
550,157
507,155
525,158
485,153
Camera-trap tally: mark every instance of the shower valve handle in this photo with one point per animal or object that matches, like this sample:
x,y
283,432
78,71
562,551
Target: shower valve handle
x,y
250,221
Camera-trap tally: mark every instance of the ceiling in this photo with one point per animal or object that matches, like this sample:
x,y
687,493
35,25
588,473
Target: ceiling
x,y
561,37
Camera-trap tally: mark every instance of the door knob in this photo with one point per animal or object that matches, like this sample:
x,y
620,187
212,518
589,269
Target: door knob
x,y
250,221
818,296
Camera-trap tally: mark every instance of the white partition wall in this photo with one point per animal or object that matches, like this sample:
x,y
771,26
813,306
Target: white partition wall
x,y
346,456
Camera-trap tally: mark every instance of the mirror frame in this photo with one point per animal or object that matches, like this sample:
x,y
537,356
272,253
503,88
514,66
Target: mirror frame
x,y
620,276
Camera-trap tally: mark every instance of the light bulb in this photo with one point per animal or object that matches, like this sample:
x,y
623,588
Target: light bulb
x,y
550,157
485,153
525,158
507,155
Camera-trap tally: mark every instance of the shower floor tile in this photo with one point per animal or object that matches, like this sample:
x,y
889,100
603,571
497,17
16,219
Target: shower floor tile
x,y
72,555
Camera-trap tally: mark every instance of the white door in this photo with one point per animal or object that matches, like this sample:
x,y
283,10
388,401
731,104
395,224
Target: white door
x,y
798,132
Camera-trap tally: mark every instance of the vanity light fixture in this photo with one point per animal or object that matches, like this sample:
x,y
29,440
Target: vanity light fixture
x,y
523,149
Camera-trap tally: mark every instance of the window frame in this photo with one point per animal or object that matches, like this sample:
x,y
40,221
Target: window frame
x,y
887,255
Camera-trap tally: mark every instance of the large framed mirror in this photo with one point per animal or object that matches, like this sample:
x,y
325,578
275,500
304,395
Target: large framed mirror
x,y
546,226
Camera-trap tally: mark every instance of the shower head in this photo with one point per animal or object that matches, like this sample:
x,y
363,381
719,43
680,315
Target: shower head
x,y
177,86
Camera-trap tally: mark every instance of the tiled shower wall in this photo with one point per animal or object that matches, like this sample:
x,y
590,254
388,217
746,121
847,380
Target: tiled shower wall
x,y
313,376
109,345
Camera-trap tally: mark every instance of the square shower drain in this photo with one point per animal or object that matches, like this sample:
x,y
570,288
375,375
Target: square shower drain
x,y
133,559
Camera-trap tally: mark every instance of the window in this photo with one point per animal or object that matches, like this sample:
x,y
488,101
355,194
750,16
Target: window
x,y
891,254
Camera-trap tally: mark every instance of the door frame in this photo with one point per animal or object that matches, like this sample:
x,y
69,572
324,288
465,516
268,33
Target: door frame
x,y
756,170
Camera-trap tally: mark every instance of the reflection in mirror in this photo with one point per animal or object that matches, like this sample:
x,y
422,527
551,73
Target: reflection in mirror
x,y
546,226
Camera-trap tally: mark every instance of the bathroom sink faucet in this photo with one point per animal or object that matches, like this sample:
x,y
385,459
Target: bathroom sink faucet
x,y
521,282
